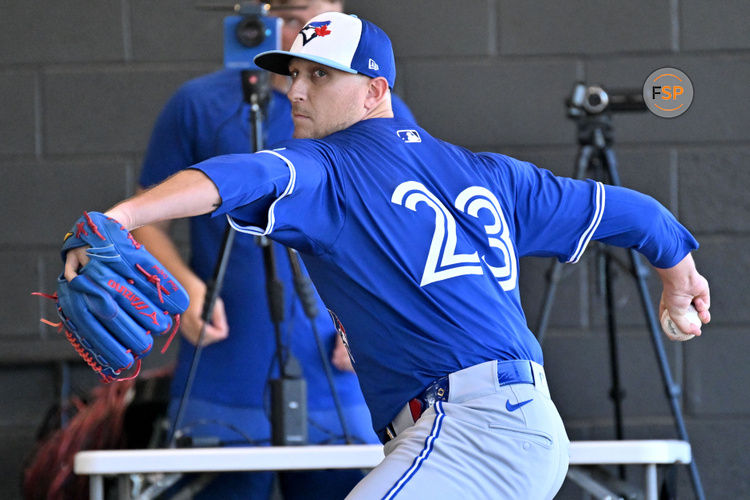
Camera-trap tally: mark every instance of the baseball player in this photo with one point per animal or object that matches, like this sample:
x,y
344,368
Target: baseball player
x,y
414,243
206,117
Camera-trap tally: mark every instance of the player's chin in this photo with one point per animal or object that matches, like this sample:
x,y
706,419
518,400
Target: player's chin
x,y
303,128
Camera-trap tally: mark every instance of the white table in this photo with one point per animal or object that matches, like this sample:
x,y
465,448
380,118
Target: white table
x,y
98,464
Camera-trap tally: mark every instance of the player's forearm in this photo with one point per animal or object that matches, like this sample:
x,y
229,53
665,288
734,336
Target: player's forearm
x,y
634,220
679,275
683,285
684,279
185,194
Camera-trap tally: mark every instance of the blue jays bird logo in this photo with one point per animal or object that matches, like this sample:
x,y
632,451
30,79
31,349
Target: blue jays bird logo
x,y
314,30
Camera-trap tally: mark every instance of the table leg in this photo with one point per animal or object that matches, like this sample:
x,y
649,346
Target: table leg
x,y
96,487
123,487
651,482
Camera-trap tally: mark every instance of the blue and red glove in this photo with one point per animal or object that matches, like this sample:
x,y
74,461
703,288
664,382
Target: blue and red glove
x,y
120,299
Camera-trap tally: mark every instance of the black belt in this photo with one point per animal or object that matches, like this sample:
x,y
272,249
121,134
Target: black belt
x,y
516,371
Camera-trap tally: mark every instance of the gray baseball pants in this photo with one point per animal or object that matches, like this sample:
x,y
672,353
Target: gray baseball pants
x,y
485,441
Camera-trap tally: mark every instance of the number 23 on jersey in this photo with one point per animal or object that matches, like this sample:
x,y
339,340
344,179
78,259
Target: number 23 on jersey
x,y
442,260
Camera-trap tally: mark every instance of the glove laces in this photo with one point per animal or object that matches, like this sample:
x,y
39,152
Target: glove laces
x,y
84,353
156,280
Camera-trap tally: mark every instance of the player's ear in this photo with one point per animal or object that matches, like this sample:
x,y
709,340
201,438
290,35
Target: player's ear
x,y
376,91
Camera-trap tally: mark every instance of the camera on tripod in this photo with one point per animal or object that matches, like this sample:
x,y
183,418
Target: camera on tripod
x,y
249,33
589,100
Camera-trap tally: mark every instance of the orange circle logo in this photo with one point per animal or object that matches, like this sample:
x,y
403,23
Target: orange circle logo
x,y
668,92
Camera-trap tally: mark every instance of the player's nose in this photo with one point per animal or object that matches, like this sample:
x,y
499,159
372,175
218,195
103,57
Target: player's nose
x,y
298,90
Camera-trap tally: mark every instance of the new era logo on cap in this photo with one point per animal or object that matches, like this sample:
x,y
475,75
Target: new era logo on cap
x,y
340,41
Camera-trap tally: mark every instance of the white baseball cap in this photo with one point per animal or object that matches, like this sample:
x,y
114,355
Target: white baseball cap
x,y
340,41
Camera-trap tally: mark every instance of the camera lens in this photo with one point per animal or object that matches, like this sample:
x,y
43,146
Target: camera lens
x,y
250,31
595,100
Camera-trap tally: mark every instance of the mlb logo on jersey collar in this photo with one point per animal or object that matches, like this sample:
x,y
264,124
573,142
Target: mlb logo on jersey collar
x,y
409,135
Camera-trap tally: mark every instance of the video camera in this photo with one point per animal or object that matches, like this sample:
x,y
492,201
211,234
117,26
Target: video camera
x,y
249,33
594,99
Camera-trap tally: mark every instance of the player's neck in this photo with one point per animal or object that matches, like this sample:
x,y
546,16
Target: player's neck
x,y
383,109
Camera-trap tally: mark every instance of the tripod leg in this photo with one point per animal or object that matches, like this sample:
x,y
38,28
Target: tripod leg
x,y
555,271
584,161
213,288
304,288
616,393
640,272
672,389
553,278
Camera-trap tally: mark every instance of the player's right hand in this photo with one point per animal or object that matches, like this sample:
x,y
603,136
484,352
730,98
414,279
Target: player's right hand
x,y
683,286
216,330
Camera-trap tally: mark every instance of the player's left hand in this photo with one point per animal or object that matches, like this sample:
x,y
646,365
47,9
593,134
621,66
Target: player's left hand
x,y
74,260
113,296
340,357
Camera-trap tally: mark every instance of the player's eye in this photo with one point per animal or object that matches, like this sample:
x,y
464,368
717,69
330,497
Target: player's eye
x,y
293,73
320,73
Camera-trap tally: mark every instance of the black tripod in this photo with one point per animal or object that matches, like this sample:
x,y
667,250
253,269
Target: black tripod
x,y
595,140
289,427
255,93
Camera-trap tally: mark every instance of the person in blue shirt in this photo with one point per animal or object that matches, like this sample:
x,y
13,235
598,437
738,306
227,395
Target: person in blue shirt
x,y
414,243
228,402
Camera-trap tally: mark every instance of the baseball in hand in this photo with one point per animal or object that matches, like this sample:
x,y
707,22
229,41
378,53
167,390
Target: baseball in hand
x,y
671,328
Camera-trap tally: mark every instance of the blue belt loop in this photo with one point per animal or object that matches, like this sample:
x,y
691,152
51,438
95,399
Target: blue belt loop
x,y
515,371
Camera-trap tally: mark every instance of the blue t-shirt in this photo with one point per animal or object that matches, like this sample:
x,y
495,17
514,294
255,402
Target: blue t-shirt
x,y
207,117
414,242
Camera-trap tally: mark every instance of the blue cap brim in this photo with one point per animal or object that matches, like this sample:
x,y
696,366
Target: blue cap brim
x,y
277,61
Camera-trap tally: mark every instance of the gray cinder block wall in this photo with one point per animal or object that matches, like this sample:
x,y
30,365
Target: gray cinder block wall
x,y
82,82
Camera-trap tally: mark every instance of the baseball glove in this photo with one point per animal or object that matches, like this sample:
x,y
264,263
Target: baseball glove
x,y
119,300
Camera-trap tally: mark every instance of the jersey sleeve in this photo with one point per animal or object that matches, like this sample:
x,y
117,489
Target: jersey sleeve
x,y
635,220
559,216
169,149
554,216
288,193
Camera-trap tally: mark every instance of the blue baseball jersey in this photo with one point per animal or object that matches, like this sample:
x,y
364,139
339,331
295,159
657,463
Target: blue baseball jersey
x,y
414,242
207,117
